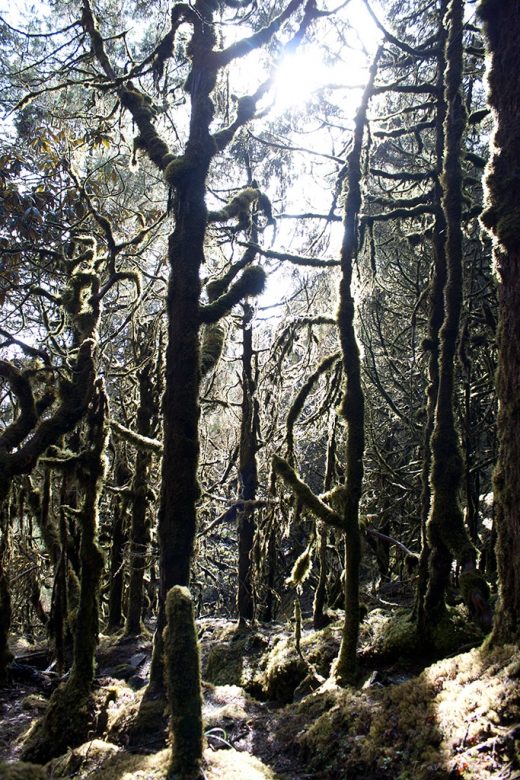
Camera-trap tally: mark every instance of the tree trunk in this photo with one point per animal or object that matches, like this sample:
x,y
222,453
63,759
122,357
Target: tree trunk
x,y
353,403
179,482
248,476
140,530
119,537
446,528
502,217
437,561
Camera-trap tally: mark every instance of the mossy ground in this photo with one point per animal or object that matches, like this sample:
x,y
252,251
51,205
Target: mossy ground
x,y
458,718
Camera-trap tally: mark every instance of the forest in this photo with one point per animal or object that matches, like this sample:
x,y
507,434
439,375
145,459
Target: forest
x,y
260,389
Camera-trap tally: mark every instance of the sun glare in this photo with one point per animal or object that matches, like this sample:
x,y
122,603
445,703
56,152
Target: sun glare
x,y
302,73
298,77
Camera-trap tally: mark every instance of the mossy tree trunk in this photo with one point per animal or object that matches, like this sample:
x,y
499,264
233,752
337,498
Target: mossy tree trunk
x,y
502,217
182,652
122,476
140,528
446,528
353,402
247,471
65,593
5,596
319,618
31,433
186,178
92,473
346,519
179,479
437,561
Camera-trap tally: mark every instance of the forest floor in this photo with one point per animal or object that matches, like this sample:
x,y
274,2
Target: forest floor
x,y
270,712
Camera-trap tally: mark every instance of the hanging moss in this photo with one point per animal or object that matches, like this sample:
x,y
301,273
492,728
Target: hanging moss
x,y
211,349
238,207
252,282
182,672
302,567
298,625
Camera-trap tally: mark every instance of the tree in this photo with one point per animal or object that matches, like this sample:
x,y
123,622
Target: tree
x,y
501,218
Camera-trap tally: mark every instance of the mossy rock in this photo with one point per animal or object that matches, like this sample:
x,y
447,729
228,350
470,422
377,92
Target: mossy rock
x,y
22,771
455,631
234,659
35,702
321,648
141,724
285,670
224,664
393,636
121,671
83,760
106,762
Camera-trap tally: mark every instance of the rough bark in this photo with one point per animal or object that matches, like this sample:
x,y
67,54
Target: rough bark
x,y
502,218
248,473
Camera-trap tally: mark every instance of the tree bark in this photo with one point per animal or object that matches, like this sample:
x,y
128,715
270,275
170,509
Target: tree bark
x,y
502,218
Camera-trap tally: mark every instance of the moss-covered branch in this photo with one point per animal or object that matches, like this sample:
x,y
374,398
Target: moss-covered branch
x,y
312,262
139,441
302,395
20,385
251,283
304,493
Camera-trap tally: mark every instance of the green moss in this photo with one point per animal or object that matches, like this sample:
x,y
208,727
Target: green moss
x,y
142,724
178,169
22,771
252,282
321,648
182,672
284,671
68,721
212,346
453,632
397,636
105,762
167,159
224,664
507,230
239,206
